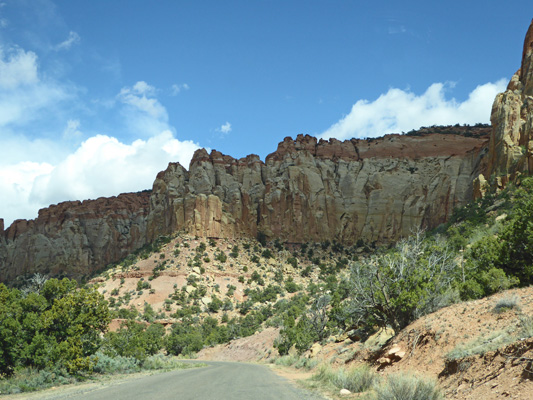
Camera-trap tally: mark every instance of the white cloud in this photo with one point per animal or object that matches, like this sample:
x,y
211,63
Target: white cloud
x,y
15,200
400,110
72,129
142,111
17,68
140,97
23,95
176,88
101,166
73,38
225,128
71,164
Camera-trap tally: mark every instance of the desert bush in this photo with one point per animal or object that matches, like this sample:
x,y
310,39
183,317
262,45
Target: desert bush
x,y
291,286
356,380
267,253
160,361
287,360
135,340
215,304
396,288
221,256
506,303
526,323
234,252
298,334
480,345
305,363
30,379
408,387
106,364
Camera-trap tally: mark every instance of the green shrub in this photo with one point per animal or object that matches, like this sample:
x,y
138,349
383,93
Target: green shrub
x,y
29,380
408,387
261,238
267,253
292,261
291,286
505,304
356,380
480,345
396,288
221,256
234,252
287,360
106,364
526,323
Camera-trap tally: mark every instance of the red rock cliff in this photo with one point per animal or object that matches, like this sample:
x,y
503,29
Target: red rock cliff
x,y
74,238
307,190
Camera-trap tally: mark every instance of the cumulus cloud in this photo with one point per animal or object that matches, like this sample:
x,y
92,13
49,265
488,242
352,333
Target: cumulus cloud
x,y
73,38
225,128
15,186
402,110
23,94
101,166
141,97
67,163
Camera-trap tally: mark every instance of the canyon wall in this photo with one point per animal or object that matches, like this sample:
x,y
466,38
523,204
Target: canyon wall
x,y
376,190
74,238
307,190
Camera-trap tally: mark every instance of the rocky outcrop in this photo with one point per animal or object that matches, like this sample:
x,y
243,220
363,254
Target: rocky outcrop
x,y
309,190
74,238
511,142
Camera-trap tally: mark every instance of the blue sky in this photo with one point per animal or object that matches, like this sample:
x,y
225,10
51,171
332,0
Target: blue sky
x,y
98,96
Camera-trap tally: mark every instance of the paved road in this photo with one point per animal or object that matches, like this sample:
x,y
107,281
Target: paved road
x,y
217,381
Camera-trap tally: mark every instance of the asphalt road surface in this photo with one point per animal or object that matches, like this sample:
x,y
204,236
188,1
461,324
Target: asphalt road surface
x,y
217,381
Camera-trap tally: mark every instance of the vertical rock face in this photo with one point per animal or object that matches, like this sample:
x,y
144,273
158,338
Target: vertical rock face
x,y
511,142
307,190
376,190
74,238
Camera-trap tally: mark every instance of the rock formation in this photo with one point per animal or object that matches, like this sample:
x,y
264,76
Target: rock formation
x,y
511,141
74,238
309,190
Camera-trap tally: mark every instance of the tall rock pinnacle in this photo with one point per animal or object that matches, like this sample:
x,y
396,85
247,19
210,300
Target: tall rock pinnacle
x,y
511,142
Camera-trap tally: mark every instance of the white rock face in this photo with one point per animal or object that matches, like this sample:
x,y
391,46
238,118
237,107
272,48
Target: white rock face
x,y
375,190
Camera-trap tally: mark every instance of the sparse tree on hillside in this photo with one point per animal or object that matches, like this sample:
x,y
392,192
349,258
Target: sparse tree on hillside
x,y
396,288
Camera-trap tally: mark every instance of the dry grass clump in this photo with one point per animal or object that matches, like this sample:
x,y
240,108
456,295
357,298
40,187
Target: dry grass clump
x,y
408,387
356,380
506,303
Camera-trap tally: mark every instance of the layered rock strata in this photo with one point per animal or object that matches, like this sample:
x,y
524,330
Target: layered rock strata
x,y
309,190
74,238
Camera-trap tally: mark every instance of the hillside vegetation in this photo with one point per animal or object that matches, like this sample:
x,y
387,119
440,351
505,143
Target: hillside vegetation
x,y
182,293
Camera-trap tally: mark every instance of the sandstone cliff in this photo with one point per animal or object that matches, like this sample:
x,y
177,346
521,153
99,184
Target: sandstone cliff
x,y
511,141
74,238
307,190
375,190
